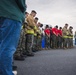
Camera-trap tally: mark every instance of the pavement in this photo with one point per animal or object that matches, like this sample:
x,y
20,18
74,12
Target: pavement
x,y
49,62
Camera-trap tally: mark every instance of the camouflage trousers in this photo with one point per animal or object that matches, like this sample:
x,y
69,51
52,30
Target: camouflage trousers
x,y
65,42
38,43
29,43
70,42
47,41
21,45
35,44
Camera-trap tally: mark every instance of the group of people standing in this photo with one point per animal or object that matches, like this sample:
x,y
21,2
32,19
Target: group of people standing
x,y
11,18
33,34
58,37
13,21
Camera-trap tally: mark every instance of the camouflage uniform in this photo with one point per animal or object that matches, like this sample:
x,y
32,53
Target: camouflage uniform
x,y
38,39
21,46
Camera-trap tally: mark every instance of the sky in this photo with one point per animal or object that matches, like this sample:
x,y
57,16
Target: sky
x,y
54,12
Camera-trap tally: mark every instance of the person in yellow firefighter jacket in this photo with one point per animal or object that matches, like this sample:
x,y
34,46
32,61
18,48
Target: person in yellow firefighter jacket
x,y
70,37
65,36
38,37
20,52
35,35
30,33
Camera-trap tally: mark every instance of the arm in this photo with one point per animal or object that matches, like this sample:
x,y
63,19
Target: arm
x,y
47,34
30,21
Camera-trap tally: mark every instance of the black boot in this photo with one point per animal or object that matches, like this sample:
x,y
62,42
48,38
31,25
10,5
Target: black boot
x,y
20,58
30,54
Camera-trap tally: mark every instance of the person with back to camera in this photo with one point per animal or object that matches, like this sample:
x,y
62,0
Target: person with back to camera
x,y
11,18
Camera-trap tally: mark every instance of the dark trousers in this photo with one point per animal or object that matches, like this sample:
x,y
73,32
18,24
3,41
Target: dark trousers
x,y
54,43
69,42
75,41
51,41
60,42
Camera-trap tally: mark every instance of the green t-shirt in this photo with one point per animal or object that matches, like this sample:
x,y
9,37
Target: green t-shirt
x,y
13,9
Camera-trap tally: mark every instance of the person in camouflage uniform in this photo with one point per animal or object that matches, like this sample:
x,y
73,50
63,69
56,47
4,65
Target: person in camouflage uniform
x,y
47,37
60,37
54,37
19,54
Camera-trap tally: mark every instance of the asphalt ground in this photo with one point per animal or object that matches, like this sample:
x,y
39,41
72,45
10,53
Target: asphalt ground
x,y
49,62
